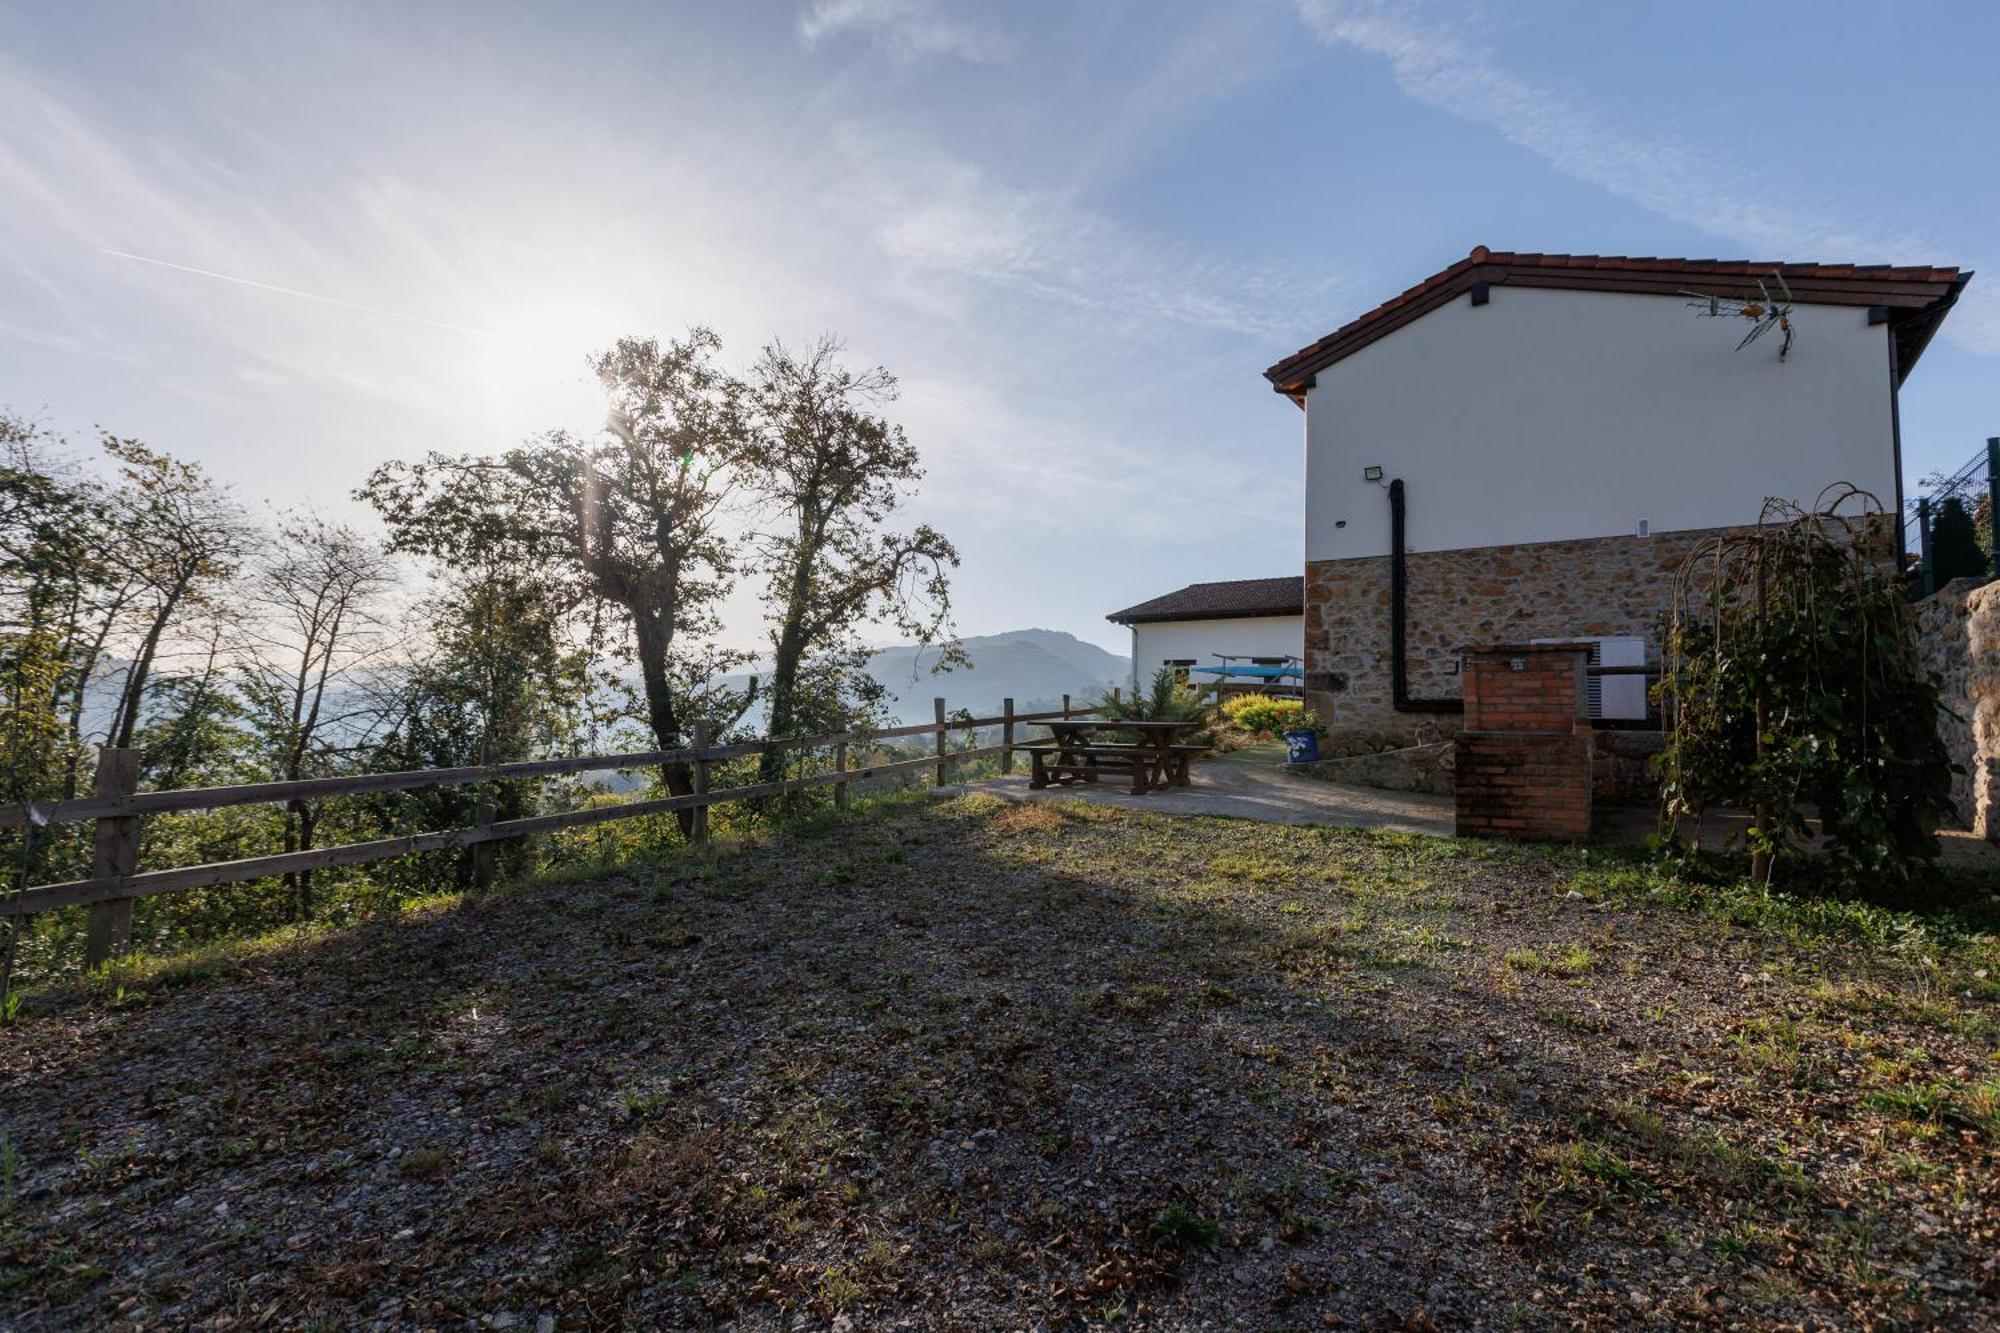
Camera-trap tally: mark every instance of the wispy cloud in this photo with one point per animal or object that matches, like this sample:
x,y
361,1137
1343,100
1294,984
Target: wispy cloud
x,y
940,218
323,299
1435,64
1215,53
906,29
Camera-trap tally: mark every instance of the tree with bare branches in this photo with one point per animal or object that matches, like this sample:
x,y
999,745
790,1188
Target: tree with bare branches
x,y
316,624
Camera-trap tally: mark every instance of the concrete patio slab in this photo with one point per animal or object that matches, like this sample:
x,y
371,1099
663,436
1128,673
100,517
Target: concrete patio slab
x,y
1253,784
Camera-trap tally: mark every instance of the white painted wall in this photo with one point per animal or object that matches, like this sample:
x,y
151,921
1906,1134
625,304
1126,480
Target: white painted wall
x,y
1546,415
1246,636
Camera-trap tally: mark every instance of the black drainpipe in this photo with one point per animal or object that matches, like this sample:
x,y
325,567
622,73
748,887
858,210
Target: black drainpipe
x,y
1399,678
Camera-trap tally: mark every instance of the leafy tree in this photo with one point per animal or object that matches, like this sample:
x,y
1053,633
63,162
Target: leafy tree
x,y
497,676
195,734
1795,689
60,603
89,570
1955,552
179,539
632,518
43,524
37,519
834,471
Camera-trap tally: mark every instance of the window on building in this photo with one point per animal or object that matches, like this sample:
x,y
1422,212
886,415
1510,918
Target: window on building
x,y
1179,666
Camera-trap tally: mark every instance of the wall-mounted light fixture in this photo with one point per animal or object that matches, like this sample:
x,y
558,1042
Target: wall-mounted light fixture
x,y
1371,474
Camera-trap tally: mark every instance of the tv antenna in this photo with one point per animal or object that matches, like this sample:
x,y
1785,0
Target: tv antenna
x,y
1765,311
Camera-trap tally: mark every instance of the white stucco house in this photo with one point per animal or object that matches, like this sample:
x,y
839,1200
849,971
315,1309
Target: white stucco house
x,y
1526,446
1247,622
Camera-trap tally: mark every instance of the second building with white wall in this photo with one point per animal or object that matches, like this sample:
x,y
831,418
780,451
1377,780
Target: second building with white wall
x,y
1250,621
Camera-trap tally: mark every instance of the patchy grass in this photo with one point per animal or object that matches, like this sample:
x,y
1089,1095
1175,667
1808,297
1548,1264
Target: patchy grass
x,y
971,1064
1572,960
1184,1230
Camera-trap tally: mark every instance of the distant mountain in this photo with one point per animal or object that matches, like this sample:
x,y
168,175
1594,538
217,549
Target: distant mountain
x,y
1088,658
1029,666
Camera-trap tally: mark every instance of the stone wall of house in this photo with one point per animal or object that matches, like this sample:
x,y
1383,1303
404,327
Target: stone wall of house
x,y
1589,588
1958,633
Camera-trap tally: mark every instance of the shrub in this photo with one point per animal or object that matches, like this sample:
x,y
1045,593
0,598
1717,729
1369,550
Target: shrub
x,y
1795,686
1266,716
1955,552
1169,700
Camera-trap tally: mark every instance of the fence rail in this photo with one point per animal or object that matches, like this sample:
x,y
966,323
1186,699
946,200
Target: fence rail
x,y
116,882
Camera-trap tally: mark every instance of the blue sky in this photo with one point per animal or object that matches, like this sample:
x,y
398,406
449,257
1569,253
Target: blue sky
x,y
1077,231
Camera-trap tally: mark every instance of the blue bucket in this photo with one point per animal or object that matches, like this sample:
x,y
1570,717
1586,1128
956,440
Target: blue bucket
x,y
1301,747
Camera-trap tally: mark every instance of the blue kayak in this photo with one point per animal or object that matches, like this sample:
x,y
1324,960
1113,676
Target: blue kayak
x,y
1254,672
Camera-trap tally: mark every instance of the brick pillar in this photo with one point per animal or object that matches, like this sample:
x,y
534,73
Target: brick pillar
x,y
1523,761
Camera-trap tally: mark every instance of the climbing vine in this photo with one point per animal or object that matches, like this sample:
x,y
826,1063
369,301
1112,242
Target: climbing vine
x,y
1794,689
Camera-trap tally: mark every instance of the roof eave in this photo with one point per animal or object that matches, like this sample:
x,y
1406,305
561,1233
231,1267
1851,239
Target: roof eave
x,y
1295,374
1915,330
1161,618
1916,313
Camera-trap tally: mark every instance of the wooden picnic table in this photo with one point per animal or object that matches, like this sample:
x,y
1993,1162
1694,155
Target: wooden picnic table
x,y
1157,758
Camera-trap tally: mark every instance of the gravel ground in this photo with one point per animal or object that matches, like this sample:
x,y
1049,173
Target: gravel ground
x,y
974,1064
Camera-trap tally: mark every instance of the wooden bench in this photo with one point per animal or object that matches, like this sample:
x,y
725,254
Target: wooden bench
x,y
1182,756
1064,765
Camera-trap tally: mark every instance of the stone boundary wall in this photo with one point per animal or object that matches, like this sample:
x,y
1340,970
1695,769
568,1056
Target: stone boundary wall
x,y
1419,768
1958,640
1588,588
1622,766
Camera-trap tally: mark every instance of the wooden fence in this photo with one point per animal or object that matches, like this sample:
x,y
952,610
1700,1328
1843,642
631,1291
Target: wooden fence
x,y
118,809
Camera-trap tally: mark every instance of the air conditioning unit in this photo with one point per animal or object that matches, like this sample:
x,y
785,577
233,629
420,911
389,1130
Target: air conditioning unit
x,y
1614,698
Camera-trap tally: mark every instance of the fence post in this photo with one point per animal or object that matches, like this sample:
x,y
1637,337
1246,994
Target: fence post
x,y
943,767
1993,499
840,767
1007,736
110,928
484,811
1065,705
483,853
1924,543
699,830
1116,693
